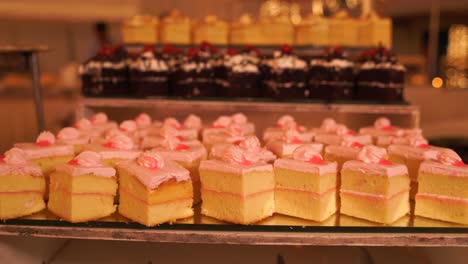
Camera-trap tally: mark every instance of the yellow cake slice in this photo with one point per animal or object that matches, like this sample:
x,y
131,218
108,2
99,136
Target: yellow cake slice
x,y
374,188
154,190
74,137
239,120
284,123
83,190
211,29
290,140
186,155
245,31
22,185
175,29
140,30
117,148
46,152
443,192
237,189
305,186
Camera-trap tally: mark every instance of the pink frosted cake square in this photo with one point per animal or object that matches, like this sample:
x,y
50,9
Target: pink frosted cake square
x,y
285,146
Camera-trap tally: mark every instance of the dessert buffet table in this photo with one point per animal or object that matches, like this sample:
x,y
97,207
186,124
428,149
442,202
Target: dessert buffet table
x,y
276,230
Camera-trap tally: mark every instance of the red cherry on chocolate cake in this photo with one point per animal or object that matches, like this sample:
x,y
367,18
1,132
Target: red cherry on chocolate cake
x,y
205,46
338,50
150,48
192,52
286,49
231,51
106,50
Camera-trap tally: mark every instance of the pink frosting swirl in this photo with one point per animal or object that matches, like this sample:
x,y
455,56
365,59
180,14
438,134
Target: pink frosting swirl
x,y
128,126
68,133
222,122
286,121
45,139
87,159
417,141
350,141
174,143
99,118
342,130
309,153
84,124
172,122
168,131
372,154
449,157
328,125
120,141
234,130
15,156
151,160
239,118
236,155
251,144
112,133
291,136
193,122
143,120
383,123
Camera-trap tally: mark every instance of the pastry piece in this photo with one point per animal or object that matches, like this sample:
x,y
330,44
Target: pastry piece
x,y
313,29
188,130
306,185
175,29
237,189
115,149
402,138
250,144
245,31
22,185
343,30
276,31
331,133
46,152
374,30
211,29
74,137
347,150
83,190
154,190
284,147
140,30
286,122
106,74
380,77
443,188
285,76
233,134
412,155
195,76
149,74
223,122
383,127
374,188
242,73
331,76
188,156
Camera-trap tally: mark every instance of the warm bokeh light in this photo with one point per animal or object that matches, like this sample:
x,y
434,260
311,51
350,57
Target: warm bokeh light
x,y
437,82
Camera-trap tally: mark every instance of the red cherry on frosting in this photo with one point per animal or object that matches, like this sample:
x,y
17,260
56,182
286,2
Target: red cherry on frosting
x,y
182,147
106,50
237,142
459,163
231,51
73,162
181,138
286,49
385,162
388,128
2,158
296,140
192,52
350,132
338,50
423,146
245,161
150,48
357,145
109,145
43,143
317,160
214,50
205,46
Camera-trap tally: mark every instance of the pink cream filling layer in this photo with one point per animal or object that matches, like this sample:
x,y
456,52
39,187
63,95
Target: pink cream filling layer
x,y
315,195
243,197
443,198
373,197
151,204
82,193
22,192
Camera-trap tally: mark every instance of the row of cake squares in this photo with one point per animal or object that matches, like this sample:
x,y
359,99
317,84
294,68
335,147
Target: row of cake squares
x,y
234,153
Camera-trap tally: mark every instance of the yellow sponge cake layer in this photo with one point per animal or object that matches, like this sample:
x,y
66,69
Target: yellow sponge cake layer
x,y
373,184
243,184
238,209
442,208
307,205
87,183
443,185
47,164
304,181
17,204
77,208
374,208
21,182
